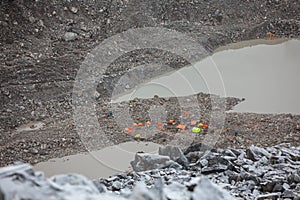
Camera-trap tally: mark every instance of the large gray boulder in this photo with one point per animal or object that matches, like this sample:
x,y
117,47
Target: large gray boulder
x,y
146,161
70,36
173,152
22,182
177,191
206,190
74,180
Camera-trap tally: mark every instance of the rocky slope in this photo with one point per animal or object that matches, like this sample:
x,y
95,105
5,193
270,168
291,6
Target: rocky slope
x,y
43,43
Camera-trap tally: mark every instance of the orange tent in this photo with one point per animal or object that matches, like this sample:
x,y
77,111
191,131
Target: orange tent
x,y
128,130
159,126
193,122
148,123
182,127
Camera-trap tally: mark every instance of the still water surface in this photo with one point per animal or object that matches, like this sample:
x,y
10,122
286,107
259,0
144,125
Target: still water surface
x,y
265,73
101,163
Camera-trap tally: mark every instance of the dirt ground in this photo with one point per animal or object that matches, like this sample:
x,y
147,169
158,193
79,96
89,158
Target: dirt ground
x,y
38,66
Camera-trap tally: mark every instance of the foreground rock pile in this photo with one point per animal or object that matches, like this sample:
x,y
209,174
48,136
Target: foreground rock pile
x,y
257,173
197,173
22,182
254,173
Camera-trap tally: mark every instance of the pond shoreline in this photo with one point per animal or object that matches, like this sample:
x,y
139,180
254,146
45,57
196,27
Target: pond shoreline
x,y
39,64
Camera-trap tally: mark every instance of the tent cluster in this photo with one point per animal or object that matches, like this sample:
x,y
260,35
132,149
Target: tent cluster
x,y
195,126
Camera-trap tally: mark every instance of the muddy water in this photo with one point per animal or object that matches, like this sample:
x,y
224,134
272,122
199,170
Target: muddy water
x,y
32,126
265,73
102,163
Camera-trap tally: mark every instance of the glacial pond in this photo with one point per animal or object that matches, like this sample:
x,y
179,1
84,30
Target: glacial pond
x,y
265,73
101,163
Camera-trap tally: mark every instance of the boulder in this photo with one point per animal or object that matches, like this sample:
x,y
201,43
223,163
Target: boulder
x,y
177,191
175,154
268,196
22,182
70,36
206,190
146,161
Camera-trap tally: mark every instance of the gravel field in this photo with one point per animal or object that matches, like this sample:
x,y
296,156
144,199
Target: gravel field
x,y
42,45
